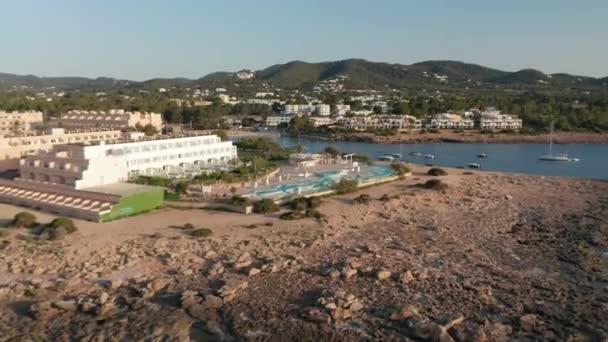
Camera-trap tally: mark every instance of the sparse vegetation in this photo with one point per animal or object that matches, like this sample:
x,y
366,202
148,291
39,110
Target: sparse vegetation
x,y
346,186
437,172
188,226
201,232
265,206
434,184
65,223
401,169
23,219
240,201
363,199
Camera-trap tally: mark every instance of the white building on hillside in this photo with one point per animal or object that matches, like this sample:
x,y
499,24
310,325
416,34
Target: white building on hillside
x,y
318,109
495,120
393,122
274,121
450,121
321,121
342,109
89,165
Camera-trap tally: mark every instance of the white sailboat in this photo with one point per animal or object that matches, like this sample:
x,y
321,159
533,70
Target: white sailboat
x,y
557,157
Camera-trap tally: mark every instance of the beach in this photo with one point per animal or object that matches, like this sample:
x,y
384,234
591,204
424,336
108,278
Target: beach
x,y
492,257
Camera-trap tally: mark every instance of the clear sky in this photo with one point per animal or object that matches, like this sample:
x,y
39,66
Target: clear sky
x,y
141,39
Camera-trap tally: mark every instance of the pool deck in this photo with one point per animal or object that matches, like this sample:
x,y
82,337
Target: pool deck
x,y
292,181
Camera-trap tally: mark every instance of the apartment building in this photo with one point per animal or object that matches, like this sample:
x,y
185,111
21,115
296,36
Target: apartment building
x,y
18,146
342,109
115,119
450,121
318,109
83,166
15,123
395,122
322,121
495,120
274,121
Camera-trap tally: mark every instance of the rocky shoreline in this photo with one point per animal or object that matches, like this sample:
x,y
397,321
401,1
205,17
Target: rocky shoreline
x,y
493,257
467,137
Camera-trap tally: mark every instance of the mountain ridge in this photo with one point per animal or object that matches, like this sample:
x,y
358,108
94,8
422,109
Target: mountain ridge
x,y
357,73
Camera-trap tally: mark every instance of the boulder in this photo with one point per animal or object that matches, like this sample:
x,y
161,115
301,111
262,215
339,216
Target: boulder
x,y
383,275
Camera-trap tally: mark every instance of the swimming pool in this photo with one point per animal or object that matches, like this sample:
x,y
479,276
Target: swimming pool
x,y
322,181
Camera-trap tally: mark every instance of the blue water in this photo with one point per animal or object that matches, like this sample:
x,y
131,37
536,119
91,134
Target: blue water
x,y
521,158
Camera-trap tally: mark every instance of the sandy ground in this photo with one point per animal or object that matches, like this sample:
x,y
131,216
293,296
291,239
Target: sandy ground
x,y
492,257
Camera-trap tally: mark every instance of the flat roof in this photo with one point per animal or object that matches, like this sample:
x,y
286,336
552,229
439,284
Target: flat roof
x,y
121,189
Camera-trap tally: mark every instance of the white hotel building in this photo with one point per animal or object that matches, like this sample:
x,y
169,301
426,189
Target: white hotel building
x,y
82,166
494,120
449,120
318,109
394,122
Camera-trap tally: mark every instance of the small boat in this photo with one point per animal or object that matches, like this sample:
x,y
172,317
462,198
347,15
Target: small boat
x,y
396,155
474,166
386,157
415,154
482,155
429,156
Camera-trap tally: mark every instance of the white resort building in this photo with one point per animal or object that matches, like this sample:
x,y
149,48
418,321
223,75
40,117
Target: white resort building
x,y
18,146
274,121
495,120
115,119
318,109
394,122
449,120
14,123
90,165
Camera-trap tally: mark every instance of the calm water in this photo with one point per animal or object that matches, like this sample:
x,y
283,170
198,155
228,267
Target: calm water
x,y
522,158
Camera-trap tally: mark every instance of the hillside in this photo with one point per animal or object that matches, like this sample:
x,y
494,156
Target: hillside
x,y
353,74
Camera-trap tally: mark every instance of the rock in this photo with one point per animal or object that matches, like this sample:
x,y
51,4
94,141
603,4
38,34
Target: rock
x,y
40,310
334,274
216,269
497,331
427,330
348,272
243,261
405,313
355,306
213,302
253,271
103,298
508,197
337,315
313,314
88,307
450,320
528,322
383,275
331,306
158,284
66,305
115,283
232,287
406,277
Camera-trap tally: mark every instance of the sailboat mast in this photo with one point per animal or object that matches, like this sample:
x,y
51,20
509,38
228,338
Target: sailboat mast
x,y
551,140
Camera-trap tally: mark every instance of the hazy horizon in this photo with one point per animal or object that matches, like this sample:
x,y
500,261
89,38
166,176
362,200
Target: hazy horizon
x,y
190,39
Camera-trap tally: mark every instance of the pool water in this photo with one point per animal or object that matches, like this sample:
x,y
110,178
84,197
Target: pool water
x,y
322,181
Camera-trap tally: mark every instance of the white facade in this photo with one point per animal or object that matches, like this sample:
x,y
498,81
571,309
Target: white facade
x,y
494,120
318,109
114,119
273,121
15,123
342,109
451,121
396,122
321,121
83,166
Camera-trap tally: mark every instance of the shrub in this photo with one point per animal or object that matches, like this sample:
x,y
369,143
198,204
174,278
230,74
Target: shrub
x,y
434,184
313,202
201,232
313,213
240,200
269,224
384,198
188,226
265,206
58,233
363,199
401,169
23,220
171,196
346,186
332,150
291,215
437,172
299,204
64,223
251,226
